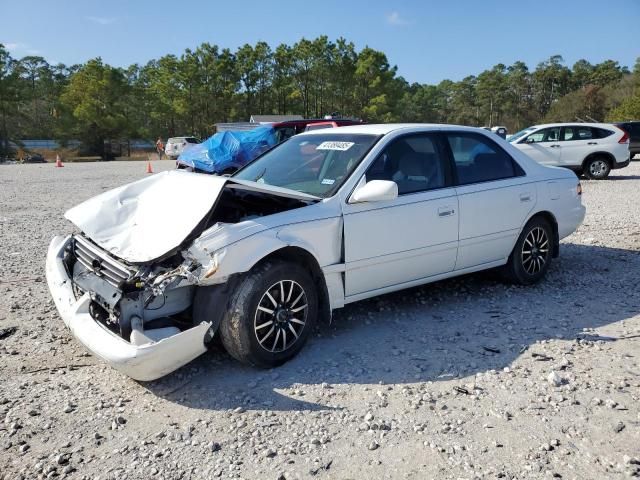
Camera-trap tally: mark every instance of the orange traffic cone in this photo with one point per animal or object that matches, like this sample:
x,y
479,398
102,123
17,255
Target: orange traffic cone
x,y
149,169
58,162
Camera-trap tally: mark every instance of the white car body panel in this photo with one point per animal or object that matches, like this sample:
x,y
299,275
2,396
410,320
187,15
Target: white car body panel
x,y
377,257
361,249
130,221
486,238
545,153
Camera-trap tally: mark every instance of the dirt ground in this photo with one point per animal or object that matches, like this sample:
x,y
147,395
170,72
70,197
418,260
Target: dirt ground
x,y
465,378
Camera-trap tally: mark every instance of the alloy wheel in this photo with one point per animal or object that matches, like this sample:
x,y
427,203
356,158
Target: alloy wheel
x,y
535,251
598,168
281,316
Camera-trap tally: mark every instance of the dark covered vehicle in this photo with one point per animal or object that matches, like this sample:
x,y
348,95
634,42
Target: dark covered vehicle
x,y
228,151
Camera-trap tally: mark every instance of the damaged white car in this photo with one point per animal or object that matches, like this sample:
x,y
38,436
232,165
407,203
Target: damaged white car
x,y
162,265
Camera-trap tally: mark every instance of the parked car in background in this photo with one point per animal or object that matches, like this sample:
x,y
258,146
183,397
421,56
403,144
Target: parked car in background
x,y
34,158
633,129
176,145
327,218
498,130
232,148
225,152
321,125
589,149
285,130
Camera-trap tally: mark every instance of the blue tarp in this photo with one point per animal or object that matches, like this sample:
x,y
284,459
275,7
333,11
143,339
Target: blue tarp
x,y
226,151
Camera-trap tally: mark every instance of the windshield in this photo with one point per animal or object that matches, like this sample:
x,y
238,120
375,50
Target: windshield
x,y
312,164
520,134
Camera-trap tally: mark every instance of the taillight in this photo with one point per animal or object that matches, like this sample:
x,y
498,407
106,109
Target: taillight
x,y
625,137
579,189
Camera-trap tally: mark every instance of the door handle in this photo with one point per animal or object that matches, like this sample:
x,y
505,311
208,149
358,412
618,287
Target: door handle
x,y
446,211
554,146
525,197
592,143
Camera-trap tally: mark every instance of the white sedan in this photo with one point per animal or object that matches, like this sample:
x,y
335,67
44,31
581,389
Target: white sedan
x,y
326,218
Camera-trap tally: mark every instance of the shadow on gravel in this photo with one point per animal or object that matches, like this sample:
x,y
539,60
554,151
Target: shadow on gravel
x,y
623,177
442,331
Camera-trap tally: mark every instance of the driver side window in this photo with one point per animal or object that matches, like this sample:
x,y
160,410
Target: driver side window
x,y
545,135
413,162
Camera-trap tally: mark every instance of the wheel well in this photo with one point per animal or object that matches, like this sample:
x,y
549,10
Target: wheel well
x,y
302,257
548,216
605,156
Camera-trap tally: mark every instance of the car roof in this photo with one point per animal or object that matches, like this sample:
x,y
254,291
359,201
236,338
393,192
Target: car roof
x,y
386,128
580,124
309,121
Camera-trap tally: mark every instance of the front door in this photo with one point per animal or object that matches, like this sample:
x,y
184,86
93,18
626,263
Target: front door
x,y
543,146
415,236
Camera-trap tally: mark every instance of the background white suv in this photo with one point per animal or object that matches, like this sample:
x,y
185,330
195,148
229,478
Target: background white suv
x,y
176,145
591,149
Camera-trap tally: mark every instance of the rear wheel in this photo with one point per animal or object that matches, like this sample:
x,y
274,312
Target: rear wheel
x,y
597,168
531,256
270,315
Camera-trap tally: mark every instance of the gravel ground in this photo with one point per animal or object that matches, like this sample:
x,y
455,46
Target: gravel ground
x,y
466,378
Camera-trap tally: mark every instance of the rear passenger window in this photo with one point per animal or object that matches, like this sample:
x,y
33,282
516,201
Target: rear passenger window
x,y
583,133
414,163
478,159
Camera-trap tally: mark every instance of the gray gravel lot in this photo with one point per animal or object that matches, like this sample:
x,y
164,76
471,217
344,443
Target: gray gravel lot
x,y
466,378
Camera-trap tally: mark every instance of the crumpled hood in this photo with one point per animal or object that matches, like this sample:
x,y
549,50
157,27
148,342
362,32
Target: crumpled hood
x,y
146,219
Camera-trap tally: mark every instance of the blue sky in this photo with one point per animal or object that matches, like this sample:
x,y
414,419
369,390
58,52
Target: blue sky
x,y
428,40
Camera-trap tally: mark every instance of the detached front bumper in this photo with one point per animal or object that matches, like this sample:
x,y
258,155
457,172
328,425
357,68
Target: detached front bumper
x,y
144,362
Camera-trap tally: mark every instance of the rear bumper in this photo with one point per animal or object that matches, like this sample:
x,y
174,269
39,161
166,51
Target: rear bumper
x,y
140,362
570,220
622,164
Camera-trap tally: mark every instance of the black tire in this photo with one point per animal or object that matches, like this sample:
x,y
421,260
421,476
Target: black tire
x,y
597,168
245,330
532,254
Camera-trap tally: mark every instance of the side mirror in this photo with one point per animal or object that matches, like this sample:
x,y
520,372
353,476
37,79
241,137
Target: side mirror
x,y
530,140
375,191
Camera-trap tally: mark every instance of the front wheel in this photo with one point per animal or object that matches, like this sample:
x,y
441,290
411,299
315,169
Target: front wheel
x,y
531,256
270,315
597,168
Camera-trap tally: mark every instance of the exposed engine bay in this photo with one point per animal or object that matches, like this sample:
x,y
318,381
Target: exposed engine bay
x,y
146,302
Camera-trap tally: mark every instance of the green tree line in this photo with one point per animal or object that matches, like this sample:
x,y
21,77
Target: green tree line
x,y
190,93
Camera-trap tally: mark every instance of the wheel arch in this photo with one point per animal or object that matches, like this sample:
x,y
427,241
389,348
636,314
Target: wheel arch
x,y
301,256
549,217
610,159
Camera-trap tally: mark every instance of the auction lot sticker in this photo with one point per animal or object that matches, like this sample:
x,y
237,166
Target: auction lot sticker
x,y
340,146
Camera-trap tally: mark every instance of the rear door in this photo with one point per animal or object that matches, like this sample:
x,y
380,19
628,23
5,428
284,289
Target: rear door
x,y
577,142
543,146
494,197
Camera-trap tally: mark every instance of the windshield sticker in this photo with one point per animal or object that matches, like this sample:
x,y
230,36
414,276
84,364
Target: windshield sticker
x,y
340,146
328,181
